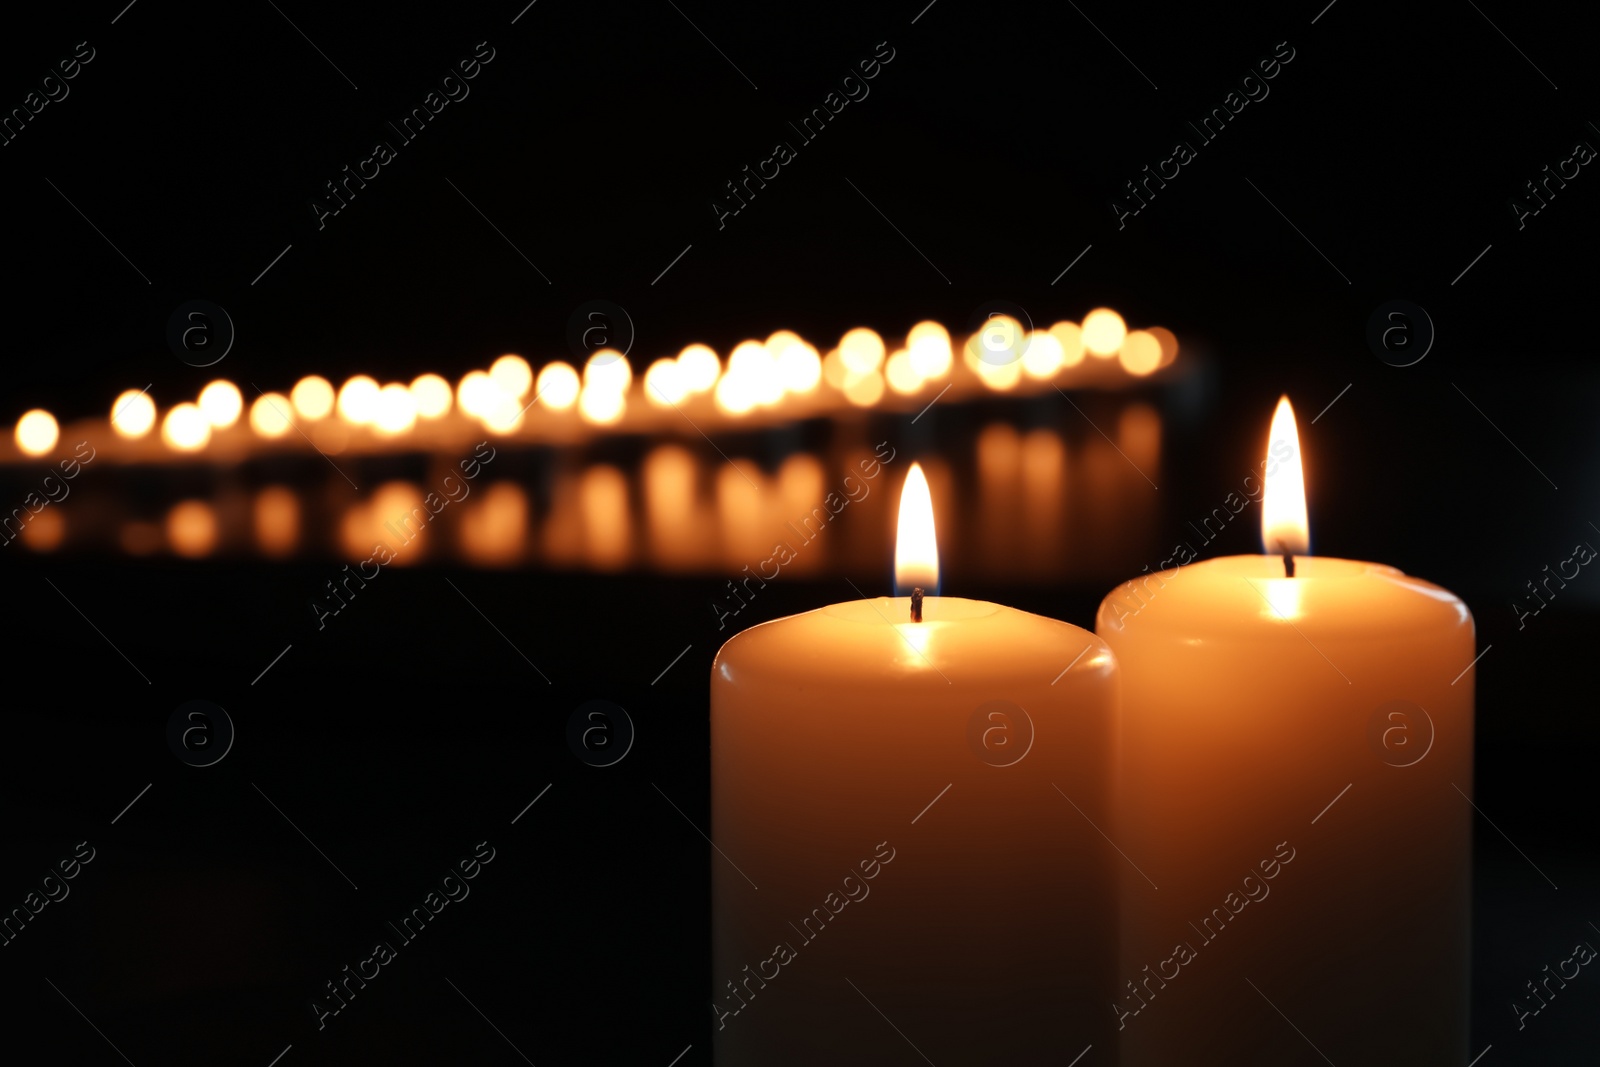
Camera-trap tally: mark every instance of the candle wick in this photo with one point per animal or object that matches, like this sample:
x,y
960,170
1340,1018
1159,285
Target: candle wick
x,y
916,604
1288,562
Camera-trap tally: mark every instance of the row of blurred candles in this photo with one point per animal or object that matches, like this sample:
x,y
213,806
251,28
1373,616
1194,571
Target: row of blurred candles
x,y
779,379
1005,495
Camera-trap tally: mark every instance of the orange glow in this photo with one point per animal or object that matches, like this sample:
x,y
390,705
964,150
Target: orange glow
x,y
396,515
1139,436
607,529
916,549
512,374
557,388
862,350
186,428
269,415
1044,493
1044,467
700,367
312,397
37,432
358,400
276,517
192,529
494,529
139,538
1140,353
1070,336
1284,526
221,403
1103,331
740,490
800,483
45,531
432,395
668,478
132,414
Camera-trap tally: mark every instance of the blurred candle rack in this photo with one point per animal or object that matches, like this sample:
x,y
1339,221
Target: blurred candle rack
x,y
1054,503
760,384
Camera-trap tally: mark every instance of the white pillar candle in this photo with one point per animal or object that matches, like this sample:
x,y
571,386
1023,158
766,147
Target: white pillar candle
x,y
907,817
1296,763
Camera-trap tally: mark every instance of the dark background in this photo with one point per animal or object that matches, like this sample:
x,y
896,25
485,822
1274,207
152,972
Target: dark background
x,y
596,141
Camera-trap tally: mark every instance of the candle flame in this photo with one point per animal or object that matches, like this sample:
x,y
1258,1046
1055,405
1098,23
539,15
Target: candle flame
x,y
916,549
1284,528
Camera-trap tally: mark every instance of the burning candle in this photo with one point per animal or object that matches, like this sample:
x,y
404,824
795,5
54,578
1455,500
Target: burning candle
x,y
1296,763
907,801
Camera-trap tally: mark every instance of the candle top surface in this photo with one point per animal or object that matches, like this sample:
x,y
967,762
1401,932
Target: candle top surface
x,y
1233,596
959,642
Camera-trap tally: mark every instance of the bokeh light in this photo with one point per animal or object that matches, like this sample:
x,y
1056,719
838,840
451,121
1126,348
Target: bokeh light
x,y
1140,353
133,414
865,390
862,350
1070,336
901,373
1000,376
269,415
221,402
929,345
186,428
475,393
1103,331
700,367
192,528
1042,358
396,410
608,369
45,531
663,383
799,368
512,374
557,388
602,404
276,518
834,372
432,395
1168,341
735,395
358,400
503,414
37,432
312,397
1001,342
